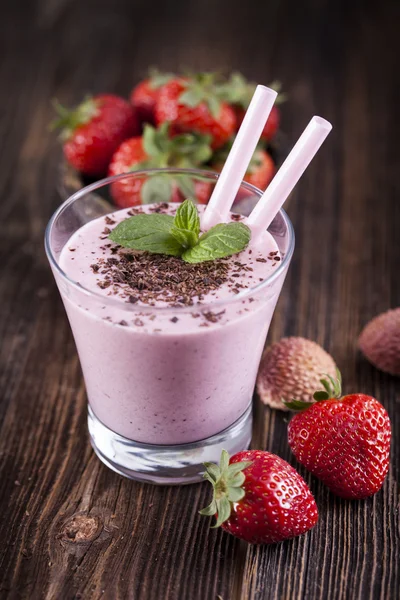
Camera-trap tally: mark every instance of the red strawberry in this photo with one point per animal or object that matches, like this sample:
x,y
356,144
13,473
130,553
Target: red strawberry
x,y
194,105
93,131
344,441
260,171
259,497
238,93
155,149
129,156
144,96
272,125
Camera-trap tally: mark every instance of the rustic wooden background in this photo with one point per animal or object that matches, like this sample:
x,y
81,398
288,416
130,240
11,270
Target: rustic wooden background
x,y
337,59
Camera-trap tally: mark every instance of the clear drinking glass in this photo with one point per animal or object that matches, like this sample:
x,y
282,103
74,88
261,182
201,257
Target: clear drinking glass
x,y
162,403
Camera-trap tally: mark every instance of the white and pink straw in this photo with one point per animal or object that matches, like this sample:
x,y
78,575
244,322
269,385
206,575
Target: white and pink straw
x,y
236,164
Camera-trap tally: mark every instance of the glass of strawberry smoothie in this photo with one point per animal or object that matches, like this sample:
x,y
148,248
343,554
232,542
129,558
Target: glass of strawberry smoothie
x,y
169,350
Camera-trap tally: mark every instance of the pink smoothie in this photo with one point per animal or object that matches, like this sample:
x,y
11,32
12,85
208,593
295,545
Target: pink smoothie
x,y
159,371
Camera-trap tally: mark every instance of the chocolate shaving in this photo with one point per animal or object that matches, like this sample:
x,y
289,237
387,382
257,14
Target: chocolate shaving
x,y
151,278
212,316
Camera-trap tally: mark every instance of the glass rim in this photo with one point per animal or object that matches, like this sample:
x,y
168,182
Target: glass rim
x,y
129,307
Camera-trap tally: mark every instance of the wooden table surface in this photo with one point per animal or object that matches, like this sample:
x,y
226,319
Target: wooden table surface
x,y
143,542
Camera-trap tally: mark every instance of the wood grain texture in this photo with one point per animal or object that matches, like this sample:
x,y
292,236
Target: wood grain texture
x,y
69,527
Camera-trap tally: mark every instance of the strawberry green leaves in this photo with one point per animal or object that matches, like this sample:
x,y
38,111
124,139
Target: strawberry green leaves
x,y
227,481
239,91
179,235
183,151
203,87
158,78
69,120
332,388
155,189
332,391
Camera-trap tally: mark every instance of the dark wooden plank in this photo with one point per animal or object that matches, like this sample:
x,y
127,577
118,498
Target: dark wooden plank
x,y
343,275
71,528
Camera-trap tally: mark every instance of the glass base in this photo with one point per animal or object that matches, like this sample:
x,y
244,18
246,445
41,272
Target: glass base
x,y
166,465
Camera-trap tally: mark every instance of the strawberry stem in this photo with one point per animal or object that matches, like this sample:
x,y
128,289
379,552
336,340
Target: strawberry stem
x,y
186,150
227,481
239,91
332,391
69,120
332,388
203,88
157,78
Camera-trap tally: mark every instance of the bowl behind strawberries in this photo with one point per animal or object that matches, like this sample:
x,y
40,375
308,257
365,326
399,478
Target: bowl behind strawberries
x,y
183,122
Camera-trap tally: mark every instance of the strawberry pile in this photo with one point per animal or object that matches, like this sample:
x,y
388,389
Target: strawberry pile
x,y
177,121
344,441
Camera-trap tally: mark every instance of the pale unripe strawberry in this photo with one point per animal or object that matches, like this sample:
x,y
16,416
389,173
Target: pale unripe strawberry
x,y
292,368
380,341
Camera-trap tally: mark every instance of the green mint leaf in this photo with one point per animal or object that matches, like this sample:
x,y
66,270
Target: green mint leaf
x,y
187,217
186,238
220,241
157,188
151,233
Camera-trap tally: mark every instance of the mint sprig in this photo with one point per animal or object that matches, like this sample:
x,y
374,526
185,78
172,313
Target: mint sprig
x,y
179,235
187,217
